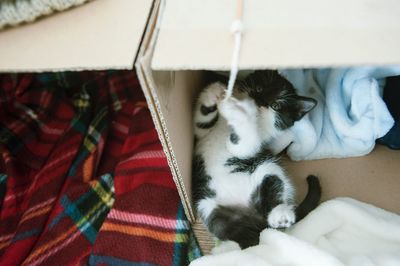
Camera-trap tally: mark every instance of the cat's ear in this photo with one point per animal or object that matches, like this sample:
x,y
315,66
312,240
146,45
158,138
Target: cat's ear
x,y
303,106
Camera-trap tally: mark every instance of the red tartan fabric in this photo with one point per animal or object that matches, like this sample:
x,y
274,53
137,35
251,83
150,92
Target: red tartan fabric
x,y
83,179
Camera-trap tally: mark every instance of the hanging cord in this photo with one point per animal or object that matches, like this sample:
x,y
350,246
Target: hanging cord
x,y
236,29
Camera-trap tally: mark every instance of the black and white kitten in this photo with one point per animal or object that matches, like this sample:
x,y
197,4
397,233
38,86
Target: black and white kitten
x,y
239,188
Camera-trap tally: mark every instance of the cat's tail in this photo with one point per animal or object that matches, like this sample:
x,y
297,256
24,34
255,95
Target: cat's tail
x,y
312,198
242,225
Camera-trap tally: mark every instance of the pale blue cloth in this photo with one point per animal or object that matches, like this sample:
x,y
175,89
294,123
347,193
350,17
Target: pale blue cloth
x,y
350,114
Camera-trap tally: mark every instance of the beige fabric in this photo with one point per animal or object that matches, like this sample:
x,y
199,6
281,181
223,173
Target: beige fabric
x,y
14,12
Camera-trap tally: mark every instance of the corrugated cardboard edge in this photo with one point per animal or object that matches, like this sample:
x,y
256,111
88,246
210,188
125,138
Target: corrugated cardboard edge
x,y
203,236
146,80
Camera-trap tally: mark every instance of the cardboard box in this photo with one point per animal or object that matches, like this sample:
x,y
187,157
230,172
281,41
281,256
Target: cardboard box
x,y
191,35
101,34
184,37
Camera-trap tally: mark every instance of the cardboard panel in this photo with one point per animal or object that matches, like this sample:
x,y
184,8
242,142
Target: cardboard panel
x,y
175,91
168,95
374,178
196,34
186,40
102,34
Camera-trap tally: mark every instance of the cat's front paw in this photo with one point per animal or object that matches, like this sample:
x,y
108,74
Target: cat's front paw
x,y
282,216
212,95
238,110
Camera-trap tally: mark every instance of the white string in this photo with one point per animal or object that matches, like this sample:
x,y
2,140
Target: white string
x,y
237,28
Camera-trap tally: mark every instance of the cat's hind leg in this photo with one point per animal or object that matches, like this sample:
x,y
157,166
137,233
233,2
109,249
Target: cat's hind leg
x,y
274,200
236,224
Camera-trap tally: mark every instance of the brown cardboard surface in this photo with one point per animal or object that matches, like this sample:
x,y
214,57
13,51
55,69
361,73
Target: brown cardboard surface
x,y
175,91
102,34
374,178
161,94
196,34
190,36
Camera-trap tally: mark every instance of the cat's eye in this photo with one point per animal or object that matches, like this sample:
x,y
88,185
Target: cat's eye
x,y
258,89
276,106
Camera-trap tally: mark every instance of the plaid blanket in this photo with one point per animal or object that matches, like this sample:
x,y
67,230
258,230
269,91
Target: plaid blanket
x,y
83,179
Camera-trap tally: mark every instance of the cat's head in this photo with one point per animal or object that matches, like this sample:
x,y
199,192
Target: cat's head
x,y
274,93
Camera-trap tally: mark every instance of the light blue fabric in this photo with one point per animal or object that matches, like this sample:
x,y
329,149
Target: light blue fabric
x,y
350,114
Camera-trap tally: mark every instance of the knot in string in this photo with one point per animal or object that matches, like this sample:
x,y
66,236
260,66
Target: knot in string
x,y
236,29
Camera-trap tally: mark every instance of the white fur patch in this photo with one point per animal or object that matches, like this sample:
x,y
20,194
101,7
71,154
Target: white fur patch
x,y
205,207
283,140
266,122
242,117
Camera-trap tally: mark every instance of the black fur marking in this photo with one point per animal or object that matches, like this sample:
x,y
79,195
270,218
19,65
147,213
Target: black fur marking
x,y
284,119
268,195
205,110
312,198
249,164
200,180
207,125
294,109
234,138
269,89
240,224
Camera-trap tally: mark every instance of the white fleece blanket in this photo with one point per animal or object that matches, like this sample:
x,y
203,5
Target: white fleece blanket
x,y
339,232
349,117
14,12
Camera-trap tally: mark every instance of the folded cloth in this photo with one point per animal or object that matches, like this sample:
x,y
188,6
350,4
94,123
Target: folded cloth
x,y
349,117
339,232
392,138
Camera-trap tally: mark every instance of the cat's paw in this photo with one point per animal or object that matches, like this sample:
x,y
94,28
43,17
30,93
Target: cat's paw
x,y
212,95
225,246
238,110
282,216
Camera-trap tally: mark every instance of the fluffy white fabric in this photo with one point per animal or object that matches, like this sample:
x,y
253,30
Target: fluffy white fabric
x,y
349,117
15,12
339,232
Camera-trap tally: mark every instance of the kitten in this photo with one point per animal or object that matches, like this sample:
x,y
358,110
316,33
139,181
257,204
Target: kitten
x,y
239,188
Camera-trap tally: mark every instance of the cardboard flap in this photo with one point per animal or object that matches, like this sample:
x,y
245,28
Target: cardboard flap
x,y
162,91
196,34
102,34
